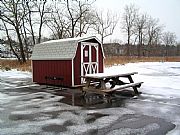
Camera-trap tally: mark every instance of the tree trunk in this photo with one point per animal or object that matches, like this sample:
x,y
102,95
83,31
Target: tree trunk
x,y
41,22
23,60
166,53
30,23
139,35
10,43
72,31
128,52
25,40
39,38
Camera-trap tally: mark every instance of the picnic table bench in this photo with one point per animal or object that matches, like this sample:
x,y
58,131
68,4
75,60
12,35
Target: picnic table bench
x,y
98,83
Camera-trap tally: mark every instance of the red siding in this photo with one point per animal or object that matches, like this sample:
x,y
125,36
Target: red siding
x,y
63,68
77,66
58,68
93,54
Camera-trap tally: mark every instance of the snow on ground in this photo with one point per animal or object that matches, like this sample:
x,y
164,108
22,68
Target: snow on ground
x,y
14,78
161,79
15,74
25,111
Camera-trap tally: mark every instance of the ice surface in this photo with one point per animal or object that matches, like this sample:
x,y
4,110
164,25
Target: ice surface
x,y
4,98
1,121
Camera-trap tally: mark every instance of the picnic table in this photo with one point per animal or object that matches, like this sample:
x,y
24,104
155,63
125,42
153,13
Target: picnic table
x,y
108,83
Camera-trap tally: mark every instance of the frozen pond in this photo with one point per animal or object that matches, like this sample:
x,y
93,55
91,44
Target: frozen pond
x,y
26,108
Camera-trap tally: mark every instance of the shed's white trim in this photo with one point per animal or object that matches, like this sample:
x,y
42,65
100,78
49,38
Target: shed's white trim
x,y
90,58
32,70
97,58
90,66
82,48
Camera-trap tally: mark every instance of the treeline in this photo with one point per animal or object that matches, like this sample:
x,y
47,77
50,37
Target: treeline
x,y
24,22
116,49
145,32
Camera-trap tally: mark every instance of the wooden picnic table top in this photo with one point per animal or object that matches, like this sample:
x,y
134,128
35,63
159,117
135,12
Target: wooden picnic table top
x,y
114,79
105,75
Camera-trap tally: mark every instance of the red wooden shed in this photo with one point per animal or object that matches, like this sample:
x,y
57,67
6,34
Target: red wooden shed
x,y
67,58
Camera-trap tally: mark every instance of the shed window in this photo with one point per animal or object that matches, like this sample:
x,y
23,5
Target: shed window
x,y
86,53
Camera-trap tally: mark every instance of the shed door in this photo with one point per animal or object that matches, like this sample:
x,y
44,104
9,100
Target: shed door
x,y
89,58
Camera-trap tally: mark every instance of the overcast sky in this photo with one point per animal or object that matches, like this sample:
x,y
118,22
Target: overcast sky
x,y
168,12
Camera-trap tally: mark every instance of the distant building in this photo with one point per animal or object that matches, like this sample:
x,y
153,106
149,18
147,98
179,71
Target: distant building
x,y
114,49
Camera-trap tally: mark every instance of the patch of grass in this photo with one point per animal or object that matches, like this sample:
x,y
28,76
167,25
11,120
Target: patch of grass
x,y
109,61
8,64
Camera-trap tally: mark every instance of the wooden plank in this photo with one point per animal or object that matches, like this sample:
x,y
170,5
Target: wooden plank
x,y
122,87
103,75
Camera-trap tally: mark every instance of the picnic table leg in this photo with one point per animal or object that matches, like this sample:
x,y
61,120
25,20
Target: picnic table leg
x,y
103,84
88,82
134,88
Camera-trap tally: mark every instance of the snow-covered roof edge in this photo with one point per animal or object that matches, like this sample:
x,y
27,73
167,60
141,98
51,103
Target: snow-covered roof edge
x,y
79,39
67,47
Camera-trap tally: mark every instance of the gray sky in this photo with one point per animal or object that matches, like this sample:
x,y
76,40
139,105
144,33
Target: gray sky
x,y
168,12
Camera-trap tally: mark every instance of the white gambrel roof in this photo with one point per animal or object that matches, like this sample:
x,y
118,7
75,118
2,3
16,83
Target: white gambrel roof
x,y
62,49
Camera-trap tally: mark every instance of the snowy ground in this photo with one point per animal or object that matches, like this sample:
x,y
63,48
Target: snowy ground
x,y
26,108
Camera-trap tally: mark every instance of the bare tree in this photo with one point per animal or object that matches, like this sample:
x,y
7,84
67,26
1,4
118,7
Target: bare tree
x,y
29,7
168,39
105,24
178,49
154,29
10,40
87,19
18,14
58,24
42,8
70,19
128,20
75,12
139,29
12,13
153,34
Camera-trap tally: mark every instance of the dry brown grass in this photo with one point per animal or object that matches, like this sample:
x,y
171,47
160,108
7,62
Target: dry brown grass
x,y
8,64
109,61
